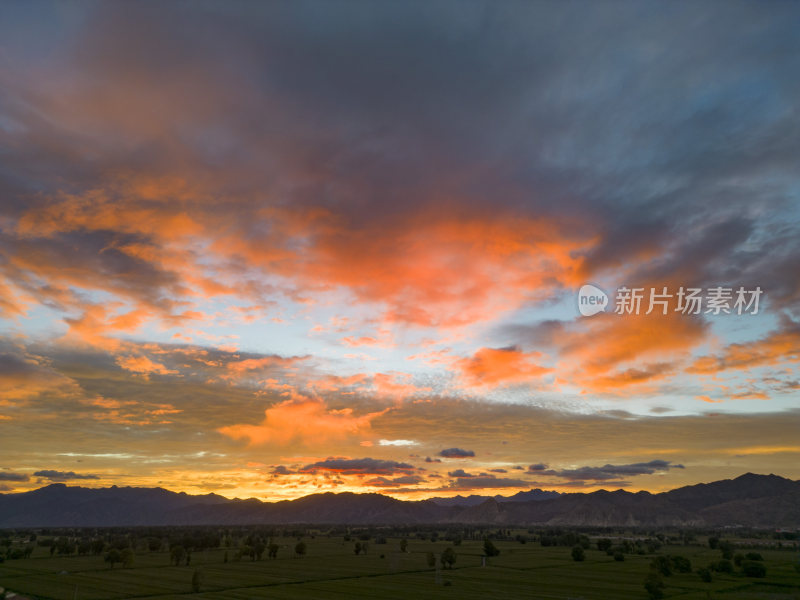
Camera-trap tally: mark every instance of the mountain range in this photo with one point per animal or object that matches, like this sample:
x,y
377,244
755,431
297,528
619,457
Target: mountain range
x,y
762,501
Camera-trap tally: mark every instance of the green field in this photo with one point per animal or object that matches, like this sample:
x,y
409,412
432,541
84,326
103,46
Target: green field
x,y
331,570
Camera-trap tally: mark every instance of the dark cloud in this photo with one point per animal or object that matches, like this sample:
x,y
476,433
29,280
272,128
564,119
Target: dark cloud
x,y
355,466
456,453
487,482
6,476
281,470
610,472
428,459
63,475
584,484
537,467
460,473
396,481
523,98
498,471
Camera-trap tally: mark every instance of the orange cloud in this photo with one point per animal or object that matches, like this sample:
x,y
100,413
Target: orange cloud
x,y
445,268
130,412
158,245
24,376
330,383
239,368
497,366
302,419
782,345
143,366
396,385
606,352
708,399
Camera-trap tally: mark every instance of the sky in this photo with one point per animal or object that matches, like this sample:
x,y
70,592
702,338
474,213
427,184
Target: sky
x,y
274,249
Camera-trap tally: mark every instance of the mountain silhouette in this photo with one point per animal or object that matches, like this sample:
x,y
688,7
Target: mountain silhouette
x,y
751,500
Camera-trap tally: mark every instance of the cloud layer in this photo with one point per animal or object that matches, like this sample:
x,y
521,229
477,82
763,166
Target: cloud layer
x,y
243,245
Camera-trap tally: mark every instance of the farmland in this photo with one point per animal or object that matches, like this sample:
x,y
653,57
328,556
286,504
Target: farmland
x,y
331,569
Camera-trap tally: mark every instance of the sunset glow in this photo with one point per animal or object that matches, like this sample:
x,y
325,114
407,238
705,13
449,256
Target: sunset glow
x,y
274,249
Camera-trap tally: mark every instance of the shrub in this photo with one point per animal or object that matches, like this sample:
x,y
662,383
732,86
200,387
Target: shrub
x,y
619,556
578,554
705,574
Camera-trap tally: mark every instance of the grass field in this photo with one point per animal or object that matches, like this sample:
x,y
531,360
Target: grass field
x,y
331,570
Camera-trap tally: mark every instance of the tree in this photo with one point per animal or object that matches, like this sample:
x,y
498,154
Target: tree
x,y
681,564
259,548
154,544
722,566
489,549
98,546
753,556
357,548
661,565
197,580
247,550
113,556
177,554
300,549
578,554
85,547
754,568
404,545
604,544
654,584
713,542
619,556
272,550
705,574
727,549
127,557
448,558
431,559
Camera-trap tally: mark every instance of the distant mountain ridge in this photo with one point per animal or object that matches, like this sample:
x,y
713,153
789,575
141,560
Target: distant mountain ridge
x,y
472,500
764,501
